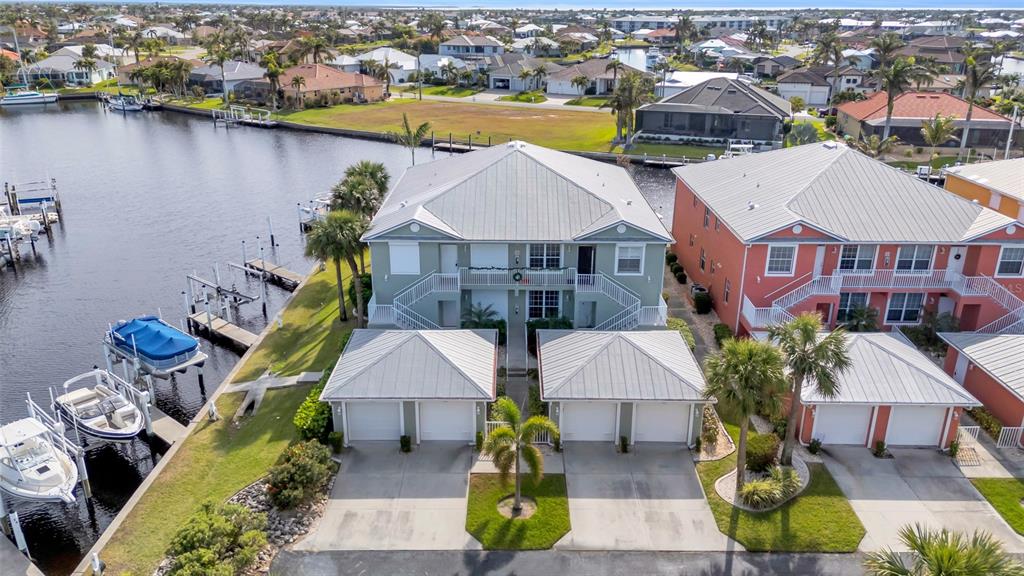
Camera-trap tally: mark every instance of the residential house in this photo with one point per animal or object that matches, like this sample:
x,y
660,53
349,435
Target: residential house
x,y
816,85
168,35
716,49
537,46
345,63
471,47
602,80
998,185
864,60
438,66
506,76
209,76
677,81
523,232
717,110
822,227
103,52
630,24
201,33
61,68
662,37
991,368
945,50
530,30
401,65
318,80
126,73
910,109
772,66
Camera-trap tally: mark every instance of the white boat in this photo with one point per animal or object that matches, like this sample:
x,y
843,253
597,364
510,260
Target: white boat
x,y
17,227
92,403
124,104
23,97
31,467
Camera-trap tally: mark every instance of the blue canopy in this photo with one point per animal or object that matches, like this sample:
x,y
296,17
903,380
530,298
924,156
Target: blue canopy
x,y
153,338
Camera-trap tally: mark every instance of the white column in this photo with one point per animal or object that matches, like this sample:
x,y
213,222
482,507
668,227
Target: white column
x,y
344,421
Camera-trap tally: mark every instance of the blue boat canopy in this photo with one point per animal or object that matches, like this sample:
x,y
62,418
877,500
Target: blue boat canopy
x,y
153,338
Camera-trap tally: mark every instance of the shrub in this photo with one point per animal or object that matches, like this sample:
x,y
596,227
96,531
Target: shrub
x,y
815,446
709,427
671,258
405,442
684,330
479,441
954,448
336,440
779,425
722,333
879,449
926,334
536,406
219,539
762,450
313,416
702,302
557,443
624,444
787,479
675,268
680,277
299,474
830,122
797,103
344,340
992,426
367,280
760,493
532,326
198,92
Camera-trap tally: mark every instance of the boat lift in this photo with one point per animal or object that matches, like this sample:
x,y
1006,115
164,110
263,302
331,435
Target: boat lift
x,y
140,398
134,369
40,195
213,319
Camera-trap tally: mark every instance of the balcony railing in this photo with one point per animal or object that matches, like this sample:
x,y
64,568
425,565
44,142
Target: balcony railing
x,y
514,277
654,315
760,317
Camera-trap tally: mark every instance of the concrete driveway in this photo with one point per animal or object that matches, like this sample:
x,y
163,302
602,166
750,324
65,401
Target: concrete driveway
x,y
649,499
916,486
386,500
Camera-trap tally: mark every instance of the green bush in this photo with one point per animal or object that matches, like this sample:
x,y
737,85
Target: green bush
x,y
219,539
536,406
815,446
532,326
787,479
671,258
762,450
675,267
300,472
337,441
926,334
830,122
313,417
680,277
954,448
879,449
989,423
624,444
367,290
761,493
683,328
344,339
702,302
479,441
405,443
709,427
722,333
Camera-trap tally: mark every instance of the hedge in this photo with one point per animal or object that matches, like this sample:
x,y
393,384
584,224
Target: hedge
x,y
684,329
722,333
989,423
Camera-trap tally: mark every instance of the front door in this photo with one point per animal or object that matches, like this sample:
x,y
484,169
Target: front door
x,y
449,258
819,260
585,260
957,254
960,370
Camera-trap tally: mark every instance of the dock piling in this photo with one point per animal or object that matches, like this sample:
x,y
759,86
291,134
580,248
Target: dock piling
x,y
270,224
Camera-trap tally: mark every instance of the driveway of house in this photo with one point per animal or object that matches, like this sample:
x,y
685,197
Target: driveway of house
x,y
386,500
649,499
916,486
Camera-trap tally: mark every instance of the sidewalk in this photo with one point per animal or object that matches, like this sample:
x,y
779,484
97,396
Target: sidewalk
x,y
700,324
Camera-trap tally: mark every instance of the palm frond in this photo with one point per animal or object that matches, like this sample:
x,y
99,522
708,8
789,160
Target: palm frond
x,y
534,460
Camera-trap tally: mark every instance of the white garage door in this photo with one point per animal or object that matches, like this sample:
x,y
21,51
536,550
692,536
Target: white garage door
x,y
842,424
373,421
447,421
662,422
588,421
915,425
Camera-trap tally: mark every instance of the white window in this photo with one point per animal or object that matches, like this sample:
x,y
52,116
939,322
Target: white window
x,y
1011,261
781,259
702,259
545,256
629,259
707,216
728,289
904,308
405,257
544,304
850,301
914,258
857,257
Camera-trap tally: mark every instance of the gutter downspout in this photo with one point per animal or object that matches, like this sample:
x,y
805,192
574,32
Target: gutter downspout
x,y
743,279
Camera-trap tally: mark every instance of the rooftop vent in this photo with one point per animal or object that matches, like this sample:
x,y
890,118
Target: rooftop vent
x,y
830,144
751,205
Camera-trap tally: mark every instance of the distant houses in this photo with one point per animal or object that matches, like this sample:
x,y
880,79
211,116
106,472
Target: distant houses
x,y
471,47
602,80
319,85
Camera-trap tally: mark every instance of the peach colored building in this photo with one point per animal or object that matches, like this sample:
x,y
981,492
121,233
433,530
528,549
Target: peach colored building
x,y
998,185
824,228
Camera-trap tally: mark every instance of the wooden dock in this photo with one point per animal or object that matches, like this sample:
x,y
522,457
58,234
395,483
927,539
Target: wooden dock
x,y
217,327
168,429
276,274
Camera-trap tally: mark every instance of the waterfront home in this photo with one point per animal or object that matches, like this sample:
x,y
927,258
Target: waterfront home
x,y
945,50
209,76
822,227
991,367
506,75
718,110
998,185
61,69
514,233
602,80
439,67
471,47
677,81
103,52
319,81
816,85
910,109
126,73
537,46
401,66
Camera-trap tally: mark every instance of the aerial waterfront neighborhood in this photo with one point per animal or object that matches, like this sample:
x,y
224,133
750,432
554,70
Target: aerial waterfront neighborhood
x,y
332,289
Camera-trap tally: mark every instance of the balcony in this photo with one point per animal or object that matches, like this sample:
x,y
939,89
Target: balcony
x,y
561,278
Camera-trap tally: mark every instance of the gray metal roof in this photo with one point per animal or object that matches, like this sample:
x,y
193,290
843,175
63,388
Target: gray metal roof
x,y
642,365
1001,355
517,192
887,370
1003,176
838,190
725,95
415,364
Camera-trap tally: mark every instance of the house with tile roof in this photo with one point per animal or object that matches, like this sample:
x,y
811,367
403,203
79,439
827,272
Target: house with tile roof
x,y
946,50
318,81
817,84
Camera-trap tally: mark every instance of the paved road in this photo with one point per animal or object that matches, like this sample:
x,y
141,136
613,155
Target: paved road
x,y
564,563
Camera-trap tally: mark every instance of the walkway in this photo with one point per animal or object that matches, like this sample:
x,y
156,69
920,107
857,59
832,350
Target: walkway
x,y
701,325
981,459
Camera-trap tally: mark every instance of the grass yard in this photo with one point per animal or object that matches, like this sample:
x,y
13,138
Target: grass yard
x,y
534,97
217,460
1005,495
593,101
450,91
539,532
109,86
819,520
673,150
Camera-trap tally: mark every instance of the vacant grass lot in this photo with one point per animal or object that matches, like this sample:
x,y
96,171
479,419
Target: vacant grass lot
x,y
539,532
534,97
1005,495
936,163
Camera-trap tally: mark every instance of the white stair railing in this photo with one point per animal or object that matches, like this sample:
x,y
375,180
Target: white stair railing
x,y
815,286
629,317
408,318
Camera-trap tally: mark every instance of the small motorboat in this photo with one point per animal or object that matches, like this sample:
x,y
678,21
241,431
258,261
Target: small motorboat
x,y
97,407
22,97
160,349
31,467
124,104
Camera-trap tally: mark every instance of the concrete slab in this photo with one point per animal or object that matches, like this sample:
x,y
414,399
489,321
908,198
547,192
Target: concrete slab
x,y
386,500
648,499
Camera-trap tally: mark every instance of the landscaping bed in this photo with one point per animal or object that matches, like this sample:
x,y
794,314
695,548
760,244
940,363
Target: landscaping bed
x,y
535,97
538,532
1006,496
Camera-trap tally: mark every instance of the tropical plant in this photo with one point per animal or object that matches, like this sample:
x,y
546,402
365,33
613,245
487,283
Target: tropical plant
x,y
896,79
362,189
928,69
581,83
978,73
747,377
802,133
298,82
87,65
314,46
327,241
479,316
875,146
615,66
662,69
217,54
686,32
219,539
941,552
273,71
632,92
299,474
811,358
938,131
886,47
410,137
512,442
829,49
862,319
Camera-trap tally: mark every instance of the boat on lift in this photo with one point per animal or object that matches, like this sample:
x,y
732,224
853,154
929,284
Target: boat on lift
x,y
94,404
124,103
31,466
159,348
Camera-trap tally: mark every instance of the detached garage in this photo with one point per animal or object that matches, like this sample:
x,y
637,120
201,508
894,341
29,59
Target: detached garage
x,y
431,385
892,393
645,386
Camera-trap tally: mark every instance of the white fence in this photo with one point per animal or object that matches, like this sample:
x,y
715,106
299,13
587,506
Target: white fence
x,y
965,432
542,438
1009,437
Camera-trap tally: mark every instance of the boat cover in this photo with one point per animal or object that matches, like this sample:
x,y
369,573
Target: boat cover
x,y
153,338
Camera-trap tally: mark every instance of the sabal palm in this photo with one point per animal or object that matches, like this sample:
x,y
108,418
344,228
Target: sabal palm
x,y
895,80
615,66
375,171
327,241
811,358
314,46
410,137
685,31
978,73
944,553
829,48
745,376
350,228
938,131
218,54
513,441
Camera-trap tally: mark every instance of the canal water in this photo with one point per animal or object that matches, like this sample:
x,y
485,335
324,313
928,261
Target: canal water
x,y
148,198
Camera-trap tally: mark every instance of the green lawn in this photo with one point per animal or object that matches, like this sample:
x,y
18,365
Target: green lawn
x,y
1005,495
534,97
539,532
450,91
109,86
936,163
673,150
819,520
594,101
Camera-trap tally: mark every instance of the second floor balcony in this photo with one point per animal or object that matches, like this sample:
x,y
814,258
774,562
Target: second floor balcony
x,y
565,278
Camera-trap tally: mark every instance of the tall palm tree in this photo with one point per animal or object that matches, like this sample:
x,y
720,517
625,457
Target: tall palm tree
x,y
633,91
938,131
134,41
895,80
350,228
525,75
361,190
810,358
928,70
273,75
513,441
615,66
978,73
745,376
685,31
298,82
580,82
829,48
314,46
943,553
410,137
886,46
539,73
662,68
217,54
87,65
327,240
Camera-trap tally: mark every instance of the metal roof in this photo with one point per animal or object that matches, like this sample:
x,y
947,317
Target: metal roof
x,y
887,370
415,364
1000,355
517,192
642,365
1003,176
718,95
837,190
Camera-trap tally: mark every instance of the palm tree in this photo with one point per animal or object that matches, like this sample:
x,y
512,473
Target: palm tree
x,y
685,31
580,82
928,70
273,75
540,72
632,92
938,131
298,82
479,316
87,65
886,46
663,69
942,553
362,189
217,54
410,137
449,72
525,75
829,48
810,356
134,42
895,79
978,72
513,441
615,66
350,228
327,240
862,319
434,24
746,376
874,146
314,46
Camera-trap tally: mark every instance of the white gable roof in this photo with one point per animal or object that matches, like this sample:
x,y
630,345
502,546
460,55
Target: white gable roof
x,y
1001,355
